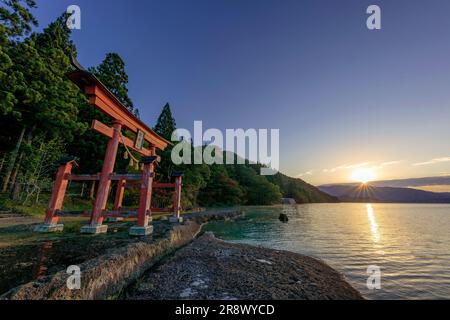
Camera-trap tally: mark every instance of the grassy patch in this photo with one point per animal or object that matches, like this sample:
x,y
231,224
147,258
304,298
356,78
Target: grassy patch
x,y
8,205
38,209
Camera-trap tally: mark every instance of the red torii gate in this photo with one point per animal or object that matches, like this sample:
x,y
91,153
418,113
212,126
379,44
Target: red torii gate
x,y
101,98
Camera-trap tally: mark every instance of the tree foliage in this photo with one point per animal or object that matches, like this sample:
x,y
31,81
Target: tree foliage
x,y
36,98
35,175
221,190
166,125
16,20
111,72
44,99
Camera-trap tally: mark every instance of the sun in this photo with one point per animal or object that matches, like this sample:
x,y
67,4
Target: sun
x,y
363,175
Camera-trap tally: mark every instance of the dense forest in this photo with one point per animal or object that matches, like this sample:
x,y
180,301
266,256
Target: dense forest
x,y
45,116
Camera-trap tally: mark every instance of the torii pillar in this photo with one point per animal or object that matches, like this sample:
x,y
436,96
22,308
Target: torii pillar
x,y
176,217
96,224
144,212
56,200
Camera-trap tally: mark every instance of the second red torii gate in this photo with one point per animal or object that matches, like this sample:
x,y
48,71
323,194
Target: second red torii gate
x,y
101,98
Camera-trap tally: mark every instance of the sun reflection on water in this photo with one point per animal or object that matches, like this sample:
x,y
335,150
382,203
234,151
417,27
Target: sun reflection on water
x,y
373,223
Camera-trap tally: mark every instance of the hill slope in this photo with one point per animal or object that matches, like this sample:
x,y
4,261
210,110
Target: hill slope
x,y
242,184
300,190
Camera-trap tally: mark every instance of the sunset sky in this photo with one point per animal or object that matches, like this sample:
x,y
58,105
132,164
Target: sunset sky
x,y
344,98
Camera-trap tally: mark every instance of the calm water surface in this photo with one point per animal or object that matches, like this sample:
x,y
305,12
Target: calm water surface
x,y
409,242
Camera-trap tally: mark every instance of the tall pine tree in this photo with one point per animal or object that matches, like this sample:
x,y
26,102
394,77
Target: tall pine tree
x,y
165,125
111,72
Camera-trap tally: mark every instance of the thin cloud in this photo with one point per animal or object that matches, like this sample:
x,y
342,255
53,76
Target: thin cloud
x,y
432,161
308,173
362,164
348,166
389,163
358,165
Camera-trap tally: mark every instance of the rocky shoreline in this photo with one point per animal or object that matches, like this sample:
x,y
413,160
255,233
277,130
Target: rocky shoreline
x,y
211,269
179,265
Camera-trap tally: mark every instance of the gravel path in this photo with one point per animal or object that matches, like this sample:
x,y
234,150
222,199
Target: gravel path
x,y
209,268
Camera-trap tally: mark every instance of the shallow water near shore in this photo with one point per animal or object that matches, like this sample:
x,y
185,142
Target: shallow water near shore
x,y
409,242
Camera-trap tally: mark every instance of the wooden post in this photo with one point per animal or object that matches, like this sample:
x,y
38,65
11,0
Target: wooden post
x,y
144,212
57,197
92,190
104,183
119,194
177,198
118,200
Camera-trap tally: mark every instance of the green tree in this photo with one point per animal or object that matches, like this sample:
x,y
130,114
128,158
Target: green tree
x,y
36,175
111,72
196,178
165,125
57,37
45,101
221,190
262,192
258,190
16,20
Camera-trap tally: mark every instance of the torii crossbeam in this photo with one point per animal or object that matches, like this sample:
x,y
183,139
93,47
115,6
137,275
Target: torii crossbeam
x,y
102,99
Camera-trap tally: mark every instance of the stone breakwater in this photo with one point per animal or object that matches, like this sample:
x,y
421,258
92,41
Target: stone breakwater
x,y
209,268
205,268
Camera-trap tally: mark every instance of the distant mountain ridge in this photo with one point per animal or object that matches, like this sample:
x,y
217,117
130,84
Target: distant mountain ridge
x,y
369,192
410,182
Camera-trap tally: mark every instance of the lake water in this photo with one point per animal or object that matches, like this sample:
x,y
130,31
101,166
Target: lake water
x,y
410,243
